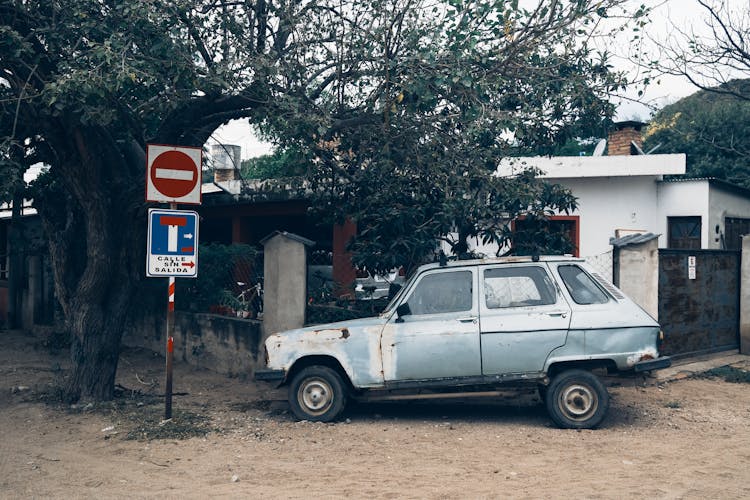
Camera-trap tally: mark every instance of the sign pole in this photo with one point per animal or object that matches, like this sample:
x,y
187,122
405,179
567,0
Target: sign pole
x,y
173,175
170,342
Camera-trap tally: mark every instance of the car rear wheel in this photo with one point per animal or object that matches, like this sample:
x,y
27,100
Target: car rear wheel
x,y
577,399
317,394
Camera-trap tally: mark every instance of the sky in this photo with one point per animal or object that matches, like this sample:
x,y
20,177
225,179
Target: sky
x,y
665,13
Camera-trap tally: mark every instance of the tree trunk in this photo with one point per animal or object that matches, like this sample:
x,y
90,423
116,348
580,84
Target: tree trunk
x,y
94,216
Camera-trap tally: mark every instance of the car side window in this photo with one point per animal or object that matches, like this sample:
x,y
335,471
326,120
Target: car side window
x,y
442,293
581,287
517,287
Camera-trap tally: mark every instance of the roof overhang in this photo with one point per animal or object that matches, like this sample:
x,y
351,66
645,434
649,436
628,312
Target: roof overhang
x,y
569,167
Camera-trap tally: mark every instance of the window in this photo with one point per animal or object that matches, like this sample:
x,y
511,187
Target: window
x,y
559,233
580,286
684,232
517,287
442,293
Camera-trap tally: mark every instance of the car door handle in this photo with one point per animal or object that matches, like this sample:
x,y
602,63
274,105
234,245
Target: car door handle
x,y
563,314
467,320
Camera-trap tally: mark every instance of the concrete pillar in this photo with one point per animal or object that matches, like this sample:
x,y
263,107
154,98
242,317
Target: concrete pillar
x,y
745,296
284,281
638,272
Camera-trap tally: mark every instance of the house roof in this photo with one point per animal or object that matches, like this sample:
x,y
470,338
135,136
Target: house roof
x,y
633,239
713,182
255,191
567,167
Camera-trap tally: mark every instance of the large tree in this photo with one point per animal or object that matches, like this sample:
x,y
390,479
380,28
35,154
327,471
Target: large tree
x,y
424,107
424,86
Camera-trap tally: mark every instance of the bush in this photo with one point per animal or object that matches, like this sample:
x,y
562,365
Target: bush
x,y
217,277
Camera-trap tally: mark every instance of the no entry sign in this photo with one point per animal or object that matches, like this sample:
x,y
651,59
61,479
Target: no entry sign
x,y
173,174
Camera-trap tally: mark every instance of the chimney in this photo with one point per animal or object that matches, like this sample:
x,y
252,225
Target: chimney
x,y
226,160
622,139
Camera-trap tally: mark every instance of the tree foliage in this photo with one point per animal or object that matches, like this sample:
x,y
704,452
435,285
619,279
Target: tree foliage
x,y
417,94
712,128
425,106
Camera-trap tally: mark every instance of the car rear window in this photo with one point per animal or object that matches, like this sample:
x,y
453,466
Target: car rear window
x,y
581,287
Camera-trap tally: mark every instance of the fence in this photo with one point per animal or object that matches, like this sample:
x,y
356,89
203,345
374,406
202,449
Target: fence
x,y
602,264
230,282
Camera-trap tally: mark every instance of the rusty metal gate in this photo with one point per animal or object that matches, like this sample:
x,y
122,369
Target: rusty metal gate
x,y
699,300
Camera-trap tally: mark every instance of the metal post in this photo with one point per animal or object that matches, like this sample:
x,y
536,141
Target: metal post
x,y
170,350
170,343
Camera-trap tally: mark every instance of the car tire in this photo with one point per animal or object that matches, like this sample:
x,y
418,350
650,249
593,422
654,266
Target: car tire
x,y
577,399
317,394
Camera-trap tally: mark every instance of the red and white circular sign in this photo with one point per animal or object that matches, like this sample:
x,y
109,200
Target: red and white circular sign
x,y
173,174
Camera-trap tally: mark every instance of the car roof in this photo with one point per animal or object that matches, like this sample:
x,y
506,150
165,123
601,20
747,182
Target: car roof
x,y
502,260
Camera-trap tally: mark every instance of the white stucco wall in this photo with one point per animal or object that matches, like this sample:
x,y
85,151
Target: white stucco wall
x,y
723,203
682,199
606,204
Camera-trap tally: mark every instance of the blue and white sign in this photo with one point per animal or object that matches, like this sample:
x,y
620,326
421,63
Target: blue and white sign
x,y
172,243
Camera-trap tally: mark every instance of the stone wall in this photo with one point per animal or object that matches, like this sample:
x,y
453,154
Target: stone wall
x,y
218,343
745,296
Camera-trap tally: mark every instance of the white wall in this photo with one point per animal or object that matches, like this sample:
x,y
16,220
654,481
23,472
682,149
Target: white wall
x,y
606,204
682,199
723,203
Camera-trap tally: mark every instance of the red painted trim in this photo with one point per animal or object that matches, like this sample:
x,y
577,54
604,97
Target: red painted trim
x,y
576,236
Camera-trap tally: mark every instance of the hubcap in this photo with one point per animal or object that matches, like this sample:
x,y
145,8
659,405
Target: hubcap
x,y
315,396
578,402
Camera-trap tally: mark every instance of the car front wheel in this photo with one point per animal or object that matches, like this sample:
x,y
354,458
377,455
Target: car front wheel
x,y
577,399
317,394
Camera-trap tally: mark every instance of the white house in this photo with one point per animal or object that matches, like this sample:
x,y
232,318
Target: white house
x,y
625,193
617,195
702,213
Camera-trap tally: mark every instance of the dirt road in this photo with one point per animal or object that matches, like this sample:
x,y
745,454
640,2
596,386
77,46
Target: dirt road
x,y
685,439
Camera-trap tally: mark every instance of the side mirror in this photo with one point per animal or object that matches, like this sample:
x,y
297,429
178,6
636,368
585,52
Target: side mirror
x,y
401,311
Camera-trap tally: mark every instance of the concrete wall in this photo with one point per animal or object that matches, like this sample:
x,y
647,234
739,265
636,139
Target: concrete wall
x,y
285,284
723,204
745,297
638,271
606,204
218,343
683,199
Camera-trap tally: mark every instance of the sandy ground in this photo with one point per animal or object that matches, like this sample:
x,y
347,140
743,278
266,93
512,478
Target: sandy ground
x,y
684,439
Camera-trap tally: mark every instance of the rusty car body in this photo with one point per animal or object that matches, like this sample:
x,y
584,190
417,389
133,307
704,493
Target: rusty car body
x,y
470,328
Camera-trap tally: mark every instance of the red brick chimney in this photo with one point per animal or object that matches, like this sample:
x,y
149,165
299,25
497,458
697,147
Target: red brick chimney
x,y
621,139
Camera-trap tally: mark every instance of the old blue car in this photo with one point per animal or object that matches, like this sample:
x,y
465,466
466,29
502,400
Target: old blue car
x,y
470,328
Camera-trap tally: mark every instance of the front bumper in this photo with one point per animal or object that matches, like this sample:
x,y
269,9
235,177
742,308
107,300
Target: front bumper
x,y
270,375
653,364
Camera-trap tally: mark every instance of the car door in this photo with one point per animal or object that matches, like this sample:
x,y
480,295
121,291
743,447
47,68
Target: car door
x,y
523,317
439,338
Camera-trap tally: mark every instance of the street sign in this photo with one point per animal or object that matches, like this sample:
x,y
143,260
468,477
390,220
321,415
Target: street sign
x,y
172,243
173,174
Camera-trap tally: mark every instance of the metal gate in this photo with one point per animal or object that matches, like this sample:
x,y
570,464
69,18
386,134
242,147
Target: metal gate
x,y
699,300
